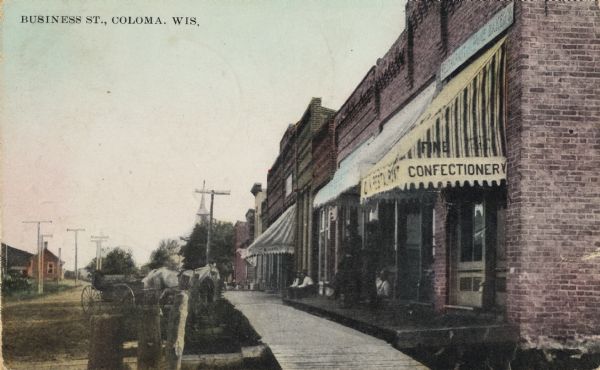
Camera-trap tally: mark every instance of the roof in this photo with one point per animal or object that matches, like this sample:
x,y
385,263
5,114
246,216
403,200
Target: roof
x,y
16,257
48,251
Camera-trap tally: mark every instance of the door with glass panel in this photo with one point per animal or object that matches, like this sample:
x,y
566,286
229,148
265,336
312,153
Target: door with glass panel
x,y
469,256
413,254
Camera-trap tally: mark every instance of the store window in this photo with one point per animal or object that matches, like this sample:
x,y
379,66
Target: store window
x,y
323,231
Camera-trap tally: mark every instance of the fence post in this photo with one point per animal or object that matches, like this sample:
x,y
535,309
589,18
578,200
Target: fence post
x,y
106,342
176,331
149,340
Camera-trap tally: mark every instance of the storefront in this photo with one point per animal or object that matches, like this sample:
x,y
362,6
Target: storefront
x,y
273,250
337,209
453,156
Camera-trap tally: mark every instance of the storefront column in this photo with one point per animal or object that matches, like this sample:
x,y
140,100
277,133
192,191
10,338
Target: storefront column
x,y
442,251
397,273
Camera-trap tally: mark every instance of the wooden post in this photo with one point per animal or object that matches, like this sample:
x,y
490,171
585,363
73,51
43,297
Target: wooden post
x,y
176,331
106,342
149,340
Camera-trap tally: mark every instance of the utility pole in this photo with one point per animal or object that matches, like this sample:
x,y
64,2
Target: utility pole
x,y
44,247
59,269
40,251
5,260
210,219
76,231
99,240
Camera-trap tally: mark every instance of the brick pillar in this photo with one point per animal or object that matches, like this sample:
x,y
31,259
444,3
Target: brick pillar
x,y
440,260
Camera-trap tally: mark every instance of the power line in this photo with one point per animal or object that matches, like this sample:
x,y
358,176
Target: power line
x,y
76,231
40,276
98,240
210,217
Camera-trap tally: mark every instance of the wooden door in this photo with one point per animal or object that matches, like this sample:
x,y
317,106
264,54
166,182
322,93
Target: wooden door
x,y
413,253
469,259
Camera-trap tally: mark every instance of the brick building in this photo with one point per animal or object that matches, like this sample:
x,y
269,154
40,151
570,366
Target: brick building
x,y
507,92
14,260
52,267
241,241
287,244
311,122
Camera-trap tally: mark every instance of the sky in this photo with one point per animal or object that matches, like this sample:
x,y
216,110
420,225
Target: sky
x,y
111,127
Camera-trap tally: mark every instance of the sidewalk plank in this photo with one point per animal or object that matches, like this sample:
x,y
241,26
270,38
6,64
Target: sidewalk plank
x,y
300,340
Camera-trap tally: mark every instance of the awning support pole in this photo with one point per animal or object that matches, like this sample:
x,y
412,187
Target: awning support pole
x,y
396,277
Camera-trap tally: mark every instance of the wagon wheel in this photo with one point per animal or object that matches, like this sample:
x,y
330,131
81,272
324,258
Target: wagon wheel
x,y
91,300
123,297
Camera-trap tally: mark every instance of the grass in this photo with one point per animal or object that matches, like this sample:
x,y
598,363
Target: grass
x,y
50,288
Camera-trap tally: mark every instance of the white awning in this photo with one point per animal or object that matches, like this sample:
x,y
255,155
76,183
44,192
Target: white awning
x,y
243,252
345,177
278,238
357,163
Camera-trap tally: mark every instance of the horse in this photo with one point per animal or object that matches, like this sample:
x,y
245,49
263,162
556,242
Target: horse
x,y
160,279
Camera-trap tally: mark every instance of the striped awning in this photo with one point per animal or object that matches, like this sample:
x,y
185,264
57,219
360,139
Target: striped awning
x,y
278,238
243,252
458,140
358,163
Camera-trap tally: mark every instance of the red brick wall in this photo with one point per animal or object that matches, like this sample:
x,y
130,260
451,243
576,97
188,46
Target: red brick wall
x,y
554,162
353,122
274,192
289,155
323,154
48,257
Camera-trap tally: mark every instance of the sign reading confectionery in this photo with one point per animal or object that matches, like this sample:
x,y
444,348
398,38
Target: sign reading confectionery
x,y
435,171
458,140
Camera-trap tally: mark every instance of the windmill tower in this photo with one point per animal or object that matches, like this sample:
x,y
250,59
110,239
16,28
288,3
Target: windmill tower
x,y
202,216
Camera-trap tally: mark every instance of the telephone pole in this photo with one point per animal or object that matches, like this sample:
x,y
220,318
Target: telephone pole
x,y
40,251
59,269
99,240
210,219
41,258
76,231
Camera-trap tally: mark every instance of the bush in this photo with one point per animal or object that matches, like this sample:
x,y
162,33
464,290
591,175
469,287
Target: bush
x,y
14,282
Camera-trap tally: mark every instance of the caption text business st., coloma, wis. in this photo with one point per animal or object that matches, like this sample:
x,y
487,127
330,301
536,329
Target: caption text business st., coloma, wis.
x,y
112,20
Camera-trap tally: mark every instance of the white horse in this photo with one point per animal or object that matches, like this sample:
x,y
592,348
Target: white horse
x,y
161,279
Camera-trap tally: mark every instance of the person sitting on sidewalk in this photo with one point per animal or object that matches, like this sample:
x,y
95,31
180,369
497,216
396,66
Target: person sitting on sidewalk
x,y
291,289
305,288
383,286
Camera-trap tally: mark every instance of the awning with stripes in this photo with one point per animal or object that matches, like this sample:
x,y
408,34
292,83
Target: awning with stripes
x,y
243,252
458,140
278,238
358,163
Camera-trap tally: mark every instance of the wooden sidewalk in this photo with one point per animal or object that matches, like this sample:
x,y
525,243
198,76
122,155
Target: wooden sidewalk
x,y
300,340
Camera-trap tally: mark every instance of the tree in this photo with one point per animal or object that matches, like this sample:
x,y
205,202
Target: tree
x,y
117,262
221,249
166,255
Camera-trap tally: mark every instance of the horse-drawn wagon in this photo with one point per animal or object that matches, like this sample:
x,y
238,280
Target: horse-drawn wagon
x,y
123,292
120,293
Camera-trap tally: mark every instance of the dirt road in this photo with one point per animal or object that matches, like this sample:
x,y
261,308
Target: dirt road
x,y
50,328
